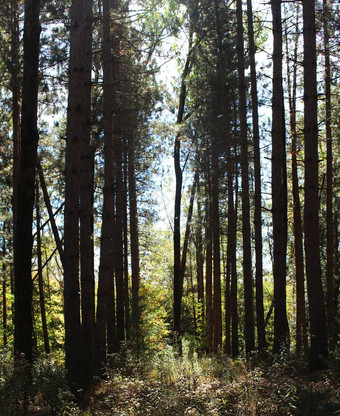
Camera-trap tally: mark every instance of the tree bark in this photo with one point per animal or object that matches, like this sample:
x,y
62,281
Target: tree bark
x,y
249,329
26,184
329,192
134,241
106,267
40,277
301,323
261,333
77,119
178,277
317,315
279,188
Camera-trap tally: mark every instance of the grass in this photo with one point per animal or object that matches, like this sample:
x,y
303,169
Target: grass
x,y
164,384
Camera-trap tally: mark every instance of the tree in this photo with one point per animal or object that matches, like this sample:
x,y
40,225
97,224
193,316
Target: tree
x,y
77,136
301,323
178,272
279,187
261,334
329,207
247,269
317,316
106,267
26,183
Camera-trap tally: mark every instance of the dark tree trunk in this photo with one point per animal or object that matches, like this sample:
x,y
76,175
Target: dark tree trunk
x,y
231,250
329,196
301,323
261,333
118,232
134,241
4,289
215,217
199,254
26,184
233,282
188,225
178,276
40,277
249,329
106,267
125,246
279,188
86,209
77,131
208,261
317,315
50,213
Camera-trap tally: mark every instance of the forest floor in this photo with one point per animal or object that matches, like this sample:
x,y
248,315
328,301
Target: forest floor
x,y
163,384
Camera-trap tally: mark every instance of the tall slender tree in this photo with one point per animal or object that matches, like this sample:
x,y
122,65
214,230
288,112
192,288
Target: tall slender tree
x,y
106,267
26,184
279,187
329,196
301,323
249,329
77,128
261,334
317,315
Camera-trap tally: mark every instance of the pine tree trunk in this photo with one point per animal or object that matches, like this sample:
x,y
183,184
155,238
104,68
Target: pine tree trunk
x,y
40,276
178,277
77,130
125,246
301,323
329,196
215,217
279,188
4,289
26,184
208,261
106,267
50,213
231,250
134,241
317,315
261,333
249,329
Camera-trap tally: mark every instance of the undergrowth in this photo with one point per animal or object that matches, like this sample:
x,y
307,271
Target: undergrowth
x,y
166,384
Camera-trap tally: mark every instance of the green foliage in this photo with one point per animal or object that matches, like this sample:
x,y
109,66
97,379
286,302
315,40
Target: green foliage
x,y
37,389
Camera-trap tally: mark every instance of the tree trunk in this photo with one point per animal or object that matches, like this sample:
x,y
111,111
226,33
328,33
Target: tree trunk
x,y
26,184
178,277
317,315
208,261
4,289
301,323
231,250
50,213
40,277
86,209
106,266
329,196
125,246
279,188
249,330
215,217
199,255
261,333
134,241
77,119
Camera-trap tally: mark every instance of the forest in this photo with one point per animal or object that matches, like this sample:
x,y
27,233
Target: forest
x,y
169,209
